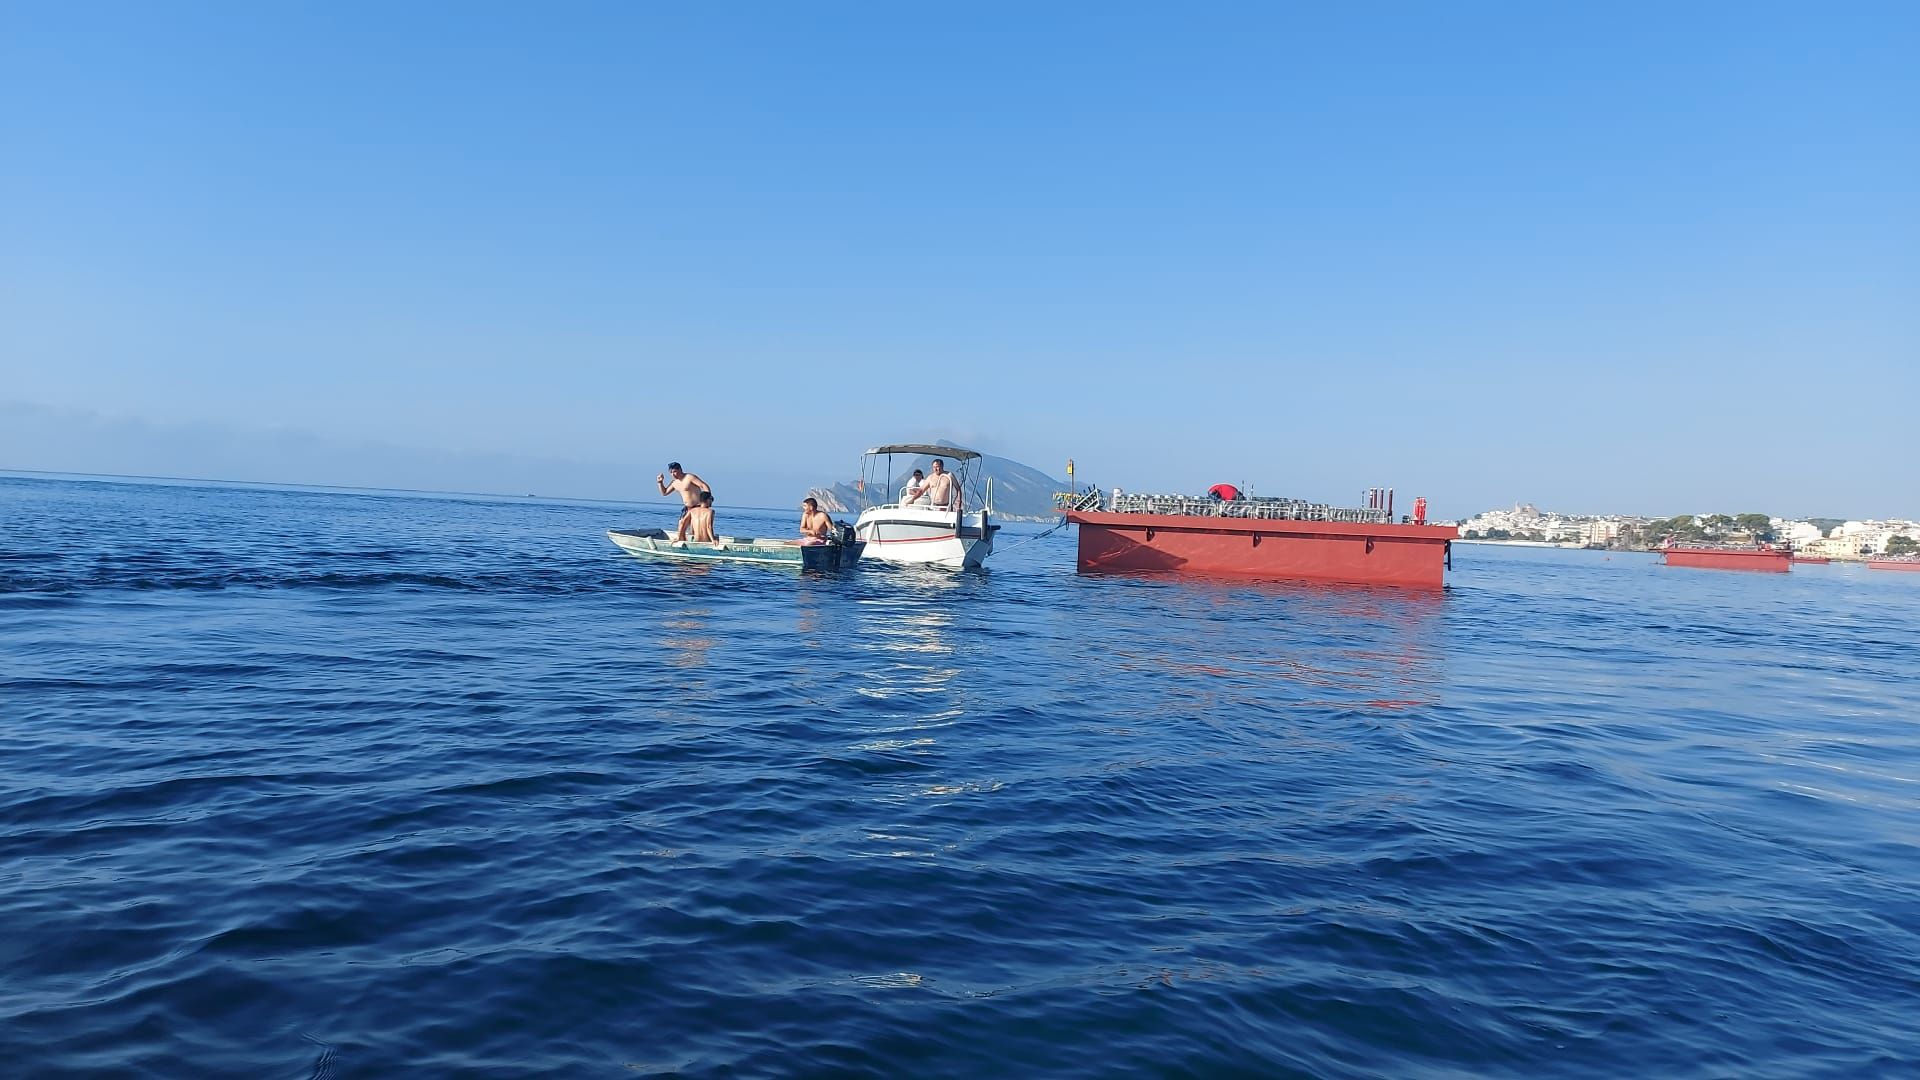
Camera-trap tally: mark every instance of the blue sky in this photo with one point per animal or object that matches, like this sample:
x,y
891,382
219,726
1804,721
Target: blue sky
x,y
1634,257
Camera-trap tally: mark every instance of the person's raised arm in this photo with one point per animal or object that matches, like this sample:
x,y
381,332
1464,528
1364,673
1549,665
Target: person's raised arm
x,y
661,479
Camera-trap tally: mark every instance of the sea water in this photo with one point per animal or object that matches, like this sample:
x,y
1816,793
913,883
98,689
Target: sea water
x,y
337,784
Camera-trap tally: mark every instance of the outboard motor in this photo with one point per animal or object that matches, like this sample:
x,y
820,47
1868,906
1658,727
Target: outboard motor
x,y
847,535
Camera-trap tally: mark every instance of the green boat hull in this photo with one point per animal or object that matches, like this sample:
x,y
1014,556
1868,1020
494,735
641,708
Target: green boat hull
x,y
655,543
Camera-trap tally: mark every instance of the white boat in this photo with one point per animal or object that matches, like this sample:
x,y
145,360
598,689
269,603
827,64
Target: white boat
x,y
920,533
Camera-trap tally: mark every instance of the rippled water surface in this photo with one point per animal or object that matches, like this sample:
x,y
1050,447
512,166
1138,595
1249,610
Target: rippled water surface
x,y
303,783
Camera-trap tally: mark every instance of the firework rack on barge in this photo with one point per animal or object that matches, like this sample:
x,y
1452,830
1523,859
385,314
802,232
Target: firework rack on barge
x,y
1260,537
1263,509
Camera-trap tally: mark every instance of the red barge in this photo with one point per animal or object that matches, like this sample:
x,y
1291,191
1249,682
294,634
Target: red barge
x,y
1894,563
1260,538
1769,560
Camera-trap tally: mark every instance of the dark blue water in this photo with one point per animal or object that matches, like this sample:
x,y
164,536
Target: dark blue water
x,y
353,785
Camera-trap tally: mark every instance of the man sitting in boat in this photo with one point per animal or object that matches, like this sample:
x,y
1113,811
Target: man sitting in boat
x,y
939,491
916,489
816,527
698,520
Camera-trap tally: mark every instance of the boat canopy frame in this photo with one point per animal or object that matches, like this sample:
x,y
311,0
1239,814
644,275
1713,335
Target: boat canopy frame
x,y
958,453
968,482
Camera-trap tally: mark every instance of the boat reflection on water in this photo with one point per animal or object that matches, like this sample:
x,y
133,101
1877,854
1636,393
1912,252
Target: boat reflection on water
x,y
687,627
911,669
1341,646
807,616
687,638
907,637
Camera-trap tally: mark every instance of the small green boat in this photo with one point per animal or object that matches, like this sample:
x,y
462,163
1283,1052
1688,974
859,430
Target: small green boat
x,y
840,553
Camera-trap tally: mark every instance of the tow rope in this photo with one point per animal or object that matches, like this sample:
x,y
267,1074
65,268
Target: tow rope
x,y
1035,536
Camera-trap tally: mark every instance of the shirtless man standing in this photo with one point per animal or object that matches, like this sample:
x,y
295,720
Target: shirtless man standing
x,y
686,485
939,489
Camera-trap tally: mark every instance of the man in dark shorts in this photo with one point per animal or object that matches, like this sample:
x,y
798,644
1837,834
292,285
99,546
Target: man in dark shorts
x,y
686,485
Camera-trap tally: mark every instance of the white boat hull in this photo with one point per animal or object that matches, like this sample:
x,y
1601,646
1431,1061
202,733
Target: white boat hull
x,y
922,535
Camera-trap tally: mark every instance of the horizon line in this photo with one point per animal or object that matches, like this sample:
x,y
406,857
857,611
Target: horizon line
x,y
358,488
366,490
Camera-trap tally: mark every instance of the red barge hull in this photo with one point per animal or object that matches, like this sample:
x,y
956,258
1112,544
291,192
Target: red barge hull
x,y
1773,562
1812,560
1412,556
1893,564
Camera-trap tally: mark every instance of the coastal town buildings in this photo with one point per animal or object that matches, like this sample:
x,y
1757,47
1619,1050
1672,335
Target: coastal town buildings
x,y
1601,532
1797,533
1860,539
1526,523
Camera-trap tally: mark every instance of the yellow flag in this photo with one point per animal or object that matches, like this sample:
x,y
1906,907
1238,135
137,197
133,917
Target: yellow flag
x,y
1069,466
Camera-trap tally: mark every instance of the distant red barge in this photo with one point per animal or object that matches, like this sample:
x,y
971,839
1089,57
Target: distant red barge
x,y
1893,564
1770,560
1259,538
1811,560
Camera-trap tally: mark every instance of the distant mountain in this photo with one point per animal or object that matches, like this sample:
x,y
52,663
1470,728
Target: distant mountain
x,y
1020,492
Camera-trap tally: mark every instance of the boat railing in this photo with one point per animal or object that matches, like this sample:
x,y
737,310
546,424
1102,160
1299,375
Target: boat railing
x,y
918,505
1267,508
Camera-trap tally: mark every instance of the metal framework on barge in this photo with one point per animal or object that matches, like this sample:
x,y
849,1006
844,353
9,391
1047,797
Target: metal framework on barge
x,y
1268,509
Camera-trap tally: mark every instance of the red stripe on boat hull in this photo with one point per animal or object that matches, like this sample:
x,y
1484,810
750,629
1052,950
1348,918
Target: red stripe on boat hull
x,y
1402,555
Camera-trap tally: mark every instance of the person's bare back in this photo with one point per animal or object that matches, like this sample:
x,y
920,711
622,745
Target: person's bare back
x,y
700,524
697,523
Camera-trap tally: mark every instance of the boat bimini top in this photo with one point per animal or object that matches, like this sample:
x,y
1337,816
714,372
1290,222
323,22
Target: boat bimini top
x,y
958,453
876,472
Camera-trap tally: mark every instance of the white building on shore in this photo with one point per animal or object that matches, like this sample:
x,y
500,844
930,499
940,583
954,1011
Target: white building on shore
x,y
1528,522
1797,533
1860,539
